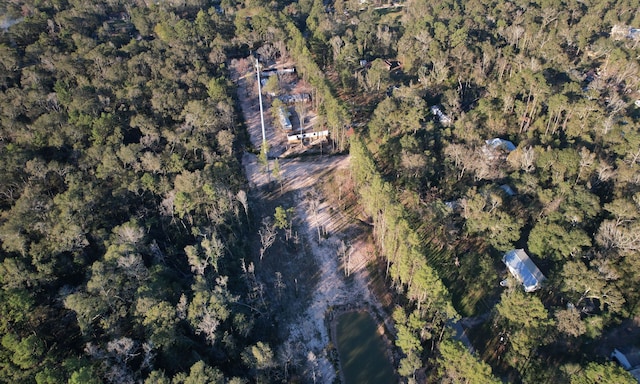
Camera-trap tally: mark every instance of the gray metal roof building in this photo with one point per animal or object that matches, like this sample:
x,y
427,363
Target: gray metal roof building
x,y
523,269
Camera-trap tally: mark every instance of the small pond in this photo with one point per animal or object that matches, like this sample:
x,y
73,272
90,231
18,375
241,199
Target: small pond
x,y
362,351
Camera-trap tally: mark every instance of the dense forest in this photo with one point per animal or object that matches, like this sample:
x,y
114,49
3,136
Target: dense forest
x,y
126,223
556,85
123,208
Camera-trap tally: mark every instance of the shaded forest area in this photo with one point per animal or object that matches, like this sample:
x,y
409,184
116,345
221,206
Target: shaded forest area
x,y
124,218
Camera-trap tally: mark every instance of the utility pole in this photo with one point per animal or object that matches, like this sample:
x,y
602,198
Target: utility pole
x,y
264,136
264,147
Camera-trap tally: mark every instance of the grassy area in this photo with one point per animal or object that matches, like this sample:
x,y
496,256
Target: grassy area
x,y
390,16
362,352
471,275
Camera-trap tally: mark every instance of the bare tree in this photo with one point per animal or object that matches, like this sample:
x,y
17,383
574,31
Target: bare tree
x,y
267,53
208,325
213,248
440,71
587,161
624,237
255,287
286,356
414,162
460,156
301,110
129,233
314,204
267,235
344,253
312,362
149,356
605,171
523,158
336,44
122,349
279,285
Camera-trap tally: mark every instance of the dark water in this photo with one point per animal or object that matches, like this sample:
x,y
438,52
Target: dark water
x,y
361,350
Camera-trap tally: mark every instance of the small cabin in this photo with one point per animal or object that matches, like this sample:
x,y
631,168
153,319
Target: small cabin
x,y
295,98
443,118
283,117
500,144
523,269
307,136
506,188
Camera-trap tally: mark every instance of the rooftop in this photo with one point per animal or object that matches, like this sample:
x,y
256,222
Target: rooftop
x,y
498,143
523,269
629,358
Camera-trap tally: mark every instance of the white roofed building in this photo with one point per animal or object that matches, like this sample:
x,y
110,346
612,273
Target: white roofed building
x,y
629,359
523,269
498,143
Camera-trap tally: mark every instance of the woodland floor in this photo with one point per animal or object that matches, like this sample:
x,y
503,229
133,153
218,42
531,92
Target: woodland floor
x,y
312,272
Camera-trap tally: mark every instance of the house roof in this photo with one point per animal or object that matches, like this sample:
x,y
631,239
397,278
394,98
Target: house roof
x,y
523,269
508,190
295,98
442,117
629,358
500,143
283,115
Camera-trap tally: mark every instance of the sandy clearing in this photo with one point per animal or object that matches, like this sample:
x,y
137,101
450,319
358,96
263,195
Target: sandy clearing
x,y
309,330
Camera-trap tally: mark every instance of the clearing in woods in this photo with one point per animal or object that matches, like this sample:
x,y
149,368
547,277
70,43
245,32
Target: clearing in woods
x,y
307,271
